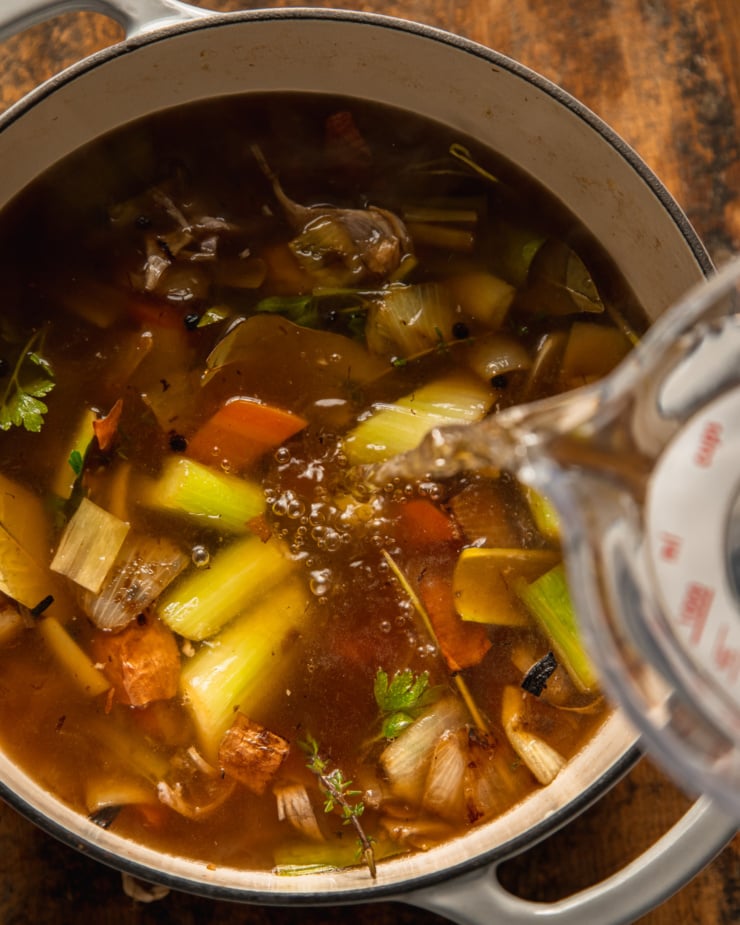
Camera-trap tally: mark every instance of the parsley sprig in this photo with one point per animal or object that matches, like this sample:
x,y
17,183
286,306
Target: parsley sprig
x,y
31,380
401,699
338,797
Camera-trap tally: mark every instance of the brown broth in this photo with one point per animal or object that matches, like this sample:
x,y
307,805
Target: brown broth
x,y
72,247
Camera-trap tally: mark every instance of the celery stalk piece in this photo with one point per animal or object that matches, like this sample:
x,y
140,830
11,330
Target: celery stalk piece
x,y
215,498
484,580
75,660
240,667
543,513
549,601
66,476
397,427
89,545
204,600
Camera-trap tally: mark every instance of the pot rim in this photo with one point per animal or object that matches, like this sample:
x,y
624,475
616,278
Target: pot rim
x,y
367,892
498,59
631,752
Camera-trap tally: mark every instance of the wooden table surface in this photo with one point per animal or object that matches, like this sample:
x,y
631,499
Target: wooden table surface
x,y
665,74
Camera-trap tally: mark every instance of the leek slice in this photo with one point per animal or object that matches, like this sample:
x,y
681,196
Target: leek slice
x,y
75,660
542,759
397,427
203,601
410,320
144,568
241,666
484,580
89,545
407,759
483,296
549,601
215,498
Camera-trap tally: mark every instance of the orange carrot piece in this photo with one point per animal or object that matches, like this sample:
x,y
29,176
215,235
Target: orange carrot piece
x,y
421,525
241,431
106,428
462,644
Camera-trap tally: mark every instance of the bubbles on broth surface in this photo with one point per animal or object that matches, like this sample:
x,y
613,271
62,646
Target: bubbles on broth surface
x,y
286,348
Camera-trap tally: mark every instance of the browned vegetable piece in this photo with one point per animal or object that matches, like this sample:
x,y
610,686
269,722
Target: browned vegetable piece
x,y
252,754
340,246
142,662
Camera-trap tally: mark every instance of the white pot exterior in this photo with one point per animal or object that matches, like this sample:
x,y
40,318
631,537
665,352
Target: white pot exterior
x,y
472,91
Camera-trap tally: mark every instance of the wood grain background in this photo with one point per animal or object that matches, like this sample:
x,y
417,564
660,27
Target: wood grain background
x,y
665,74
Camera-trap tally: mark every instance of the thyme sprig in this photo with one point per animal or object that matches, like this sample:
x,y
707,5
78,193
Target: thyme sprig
x,y
338,797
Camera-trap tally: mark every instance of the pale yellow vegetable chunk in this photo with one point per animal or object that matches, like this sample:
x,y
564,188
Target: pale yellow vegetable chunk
x,y
240,667
73,659
89,545
483,582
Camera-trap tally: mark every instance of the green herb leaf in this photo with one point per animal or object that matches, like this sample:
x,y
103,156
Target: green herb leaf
x,y
76,461
337,796
402,699
402,693
21,404
300,309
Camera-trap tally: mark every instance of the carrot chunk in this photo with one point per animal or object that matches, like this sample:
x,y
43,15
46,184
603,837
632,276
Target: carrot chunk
x,y
241,431
422,525
462,644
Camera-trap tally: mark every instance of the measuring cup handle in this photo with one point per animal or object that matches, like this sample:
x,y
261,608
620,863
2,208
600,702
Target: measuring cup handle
x,y
478,898
136,16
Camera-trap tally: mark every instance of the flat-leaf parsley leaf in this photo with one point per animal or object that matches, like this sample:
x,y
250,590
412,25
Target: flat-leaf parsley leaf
x,y
21,404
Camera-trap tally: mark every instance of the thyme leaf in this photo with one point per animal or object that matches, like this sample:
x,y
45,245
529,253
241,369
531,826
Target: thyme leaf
x,y
339,797
21,404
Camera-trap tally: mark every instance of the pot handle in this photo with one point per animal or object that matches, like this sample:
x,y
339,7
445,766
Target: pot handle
x,y
477,898
136,16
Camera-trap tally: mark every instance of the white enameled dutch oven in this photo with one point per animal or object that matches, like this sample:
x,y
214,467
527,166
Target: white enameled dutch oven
x,y
173,54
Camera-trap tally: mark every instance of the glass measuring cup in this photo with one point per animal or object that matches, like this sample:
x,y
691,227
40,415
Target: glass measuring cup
x,y
643,468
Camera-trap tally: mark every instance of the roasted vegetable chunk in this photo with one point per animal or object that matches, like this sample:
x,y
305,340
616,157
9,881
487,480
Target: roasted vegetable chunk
x,y
142,662
251,753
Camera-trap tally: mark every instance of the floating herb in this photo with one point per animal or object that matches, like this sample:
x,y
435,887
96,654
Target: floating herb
x,y
338,797
401,699
76,461
21,403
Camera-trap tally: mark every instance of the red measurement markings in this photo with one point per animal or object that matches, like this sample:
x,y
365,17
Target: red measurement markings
x,y
670,546
726,658
694,609
709,441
